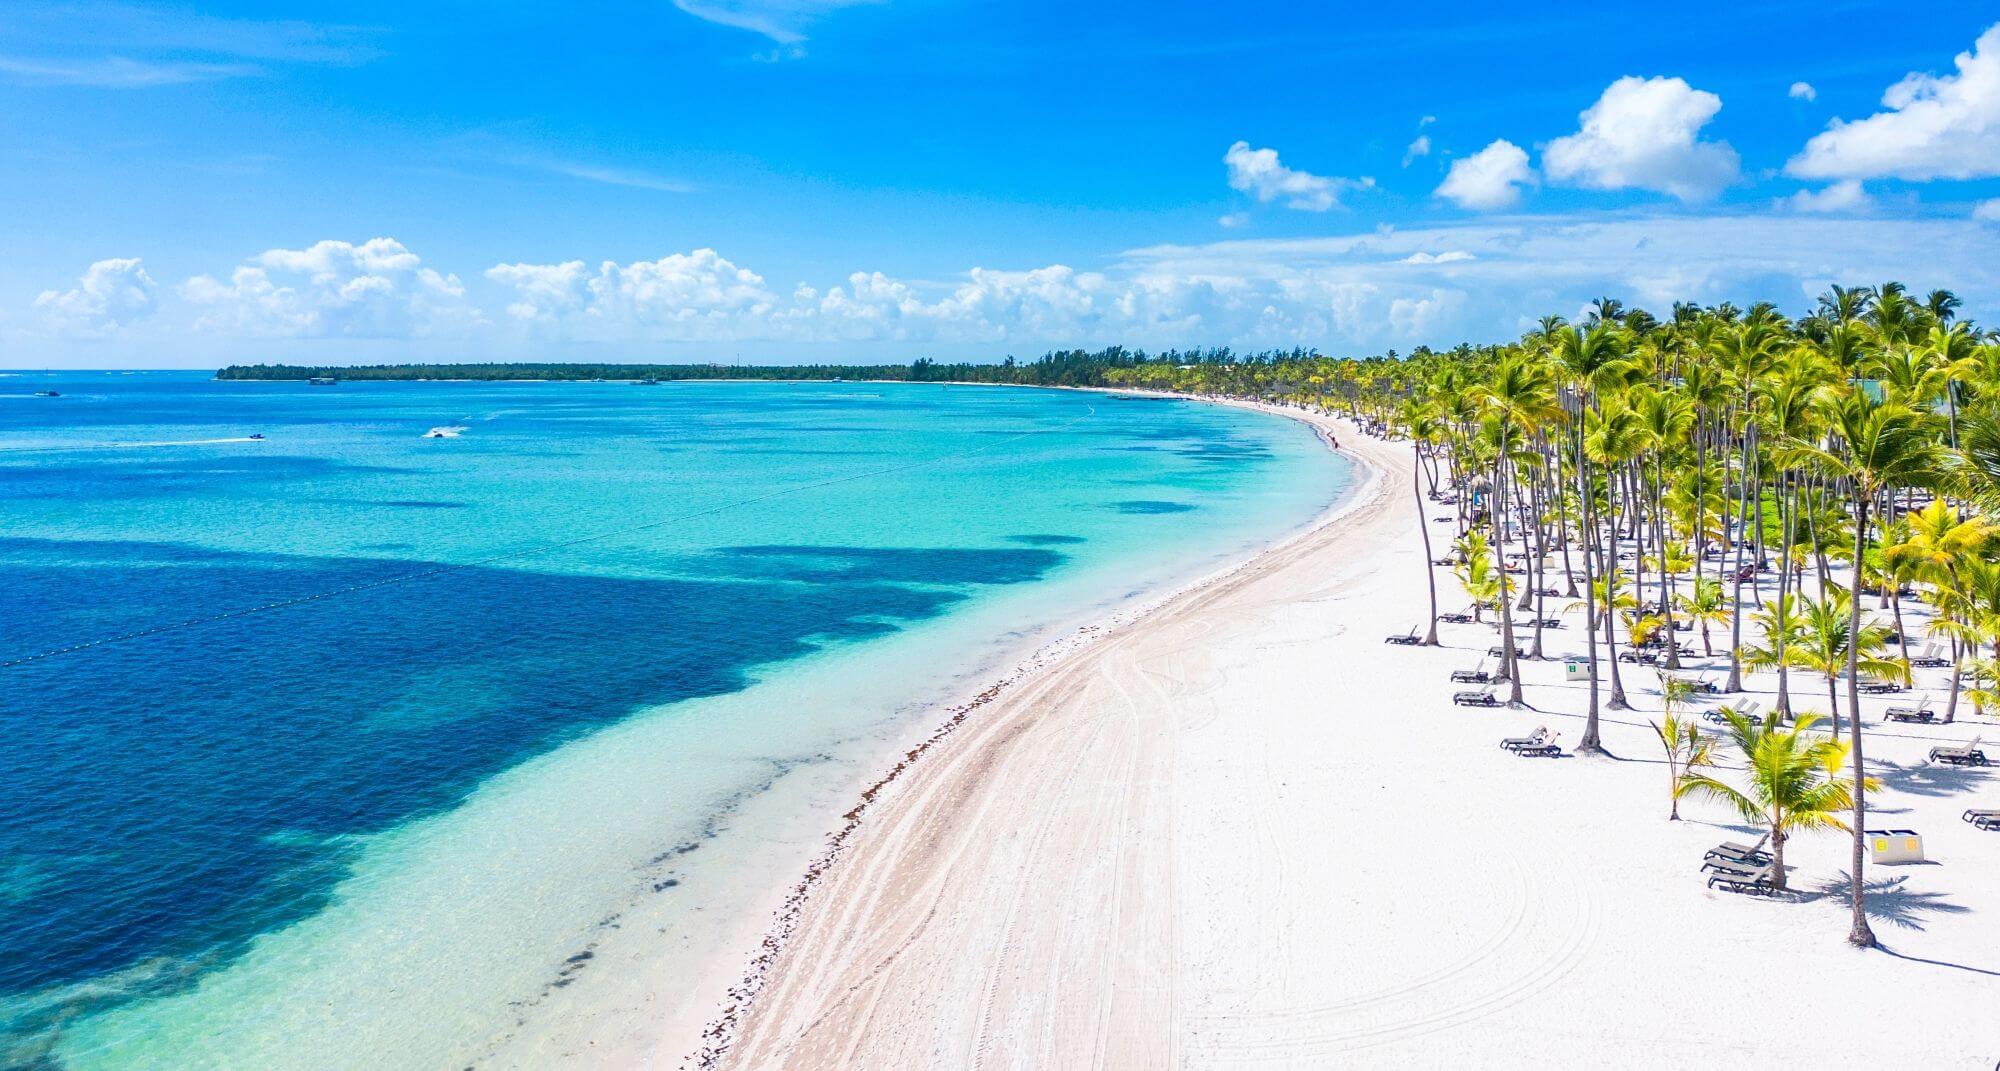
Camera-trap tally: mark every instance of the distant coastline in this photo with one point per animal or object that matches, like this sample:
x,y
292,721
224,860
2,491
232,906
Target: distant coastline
x,y
1114,366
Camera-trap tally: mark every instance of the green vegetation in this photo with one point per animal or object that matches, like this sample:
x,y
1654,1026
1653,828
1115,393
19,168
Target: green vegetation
x,y
1061,368
1796,481
1794,780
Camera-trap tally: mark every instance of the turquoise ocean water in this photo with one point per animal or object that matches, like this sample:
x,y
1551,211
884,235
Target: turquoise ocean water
x,y
349,746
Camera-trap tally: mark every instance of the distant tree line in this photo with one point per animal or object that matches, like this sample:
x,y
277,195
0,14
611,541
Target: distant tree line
x,y
1058,368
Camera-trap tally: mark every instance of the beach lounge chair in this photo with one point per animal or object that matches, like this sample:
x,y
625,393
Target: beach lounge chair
x,y
1456,618
1516,743
1408,639
1544,750
1548,622
1881,688
1932,658
1924,715
1471,676
1730,855
1475,699
1750,881
1748,710
1982,819
1969,755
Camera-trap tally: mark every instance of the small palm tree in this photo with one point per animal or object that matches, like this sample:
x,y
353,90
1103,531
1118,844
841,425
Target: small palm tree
x,y
1822,646
1782,627
1707,605
1794,782
1483,580
1681,739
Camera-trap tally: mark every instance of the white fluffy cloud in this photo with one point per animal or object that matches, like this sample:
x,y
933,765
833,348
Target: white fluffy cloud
x,y
1934,126
1258,172
1644,133
110,295
1844,196
1541,264
1802,91
1418,148
1488,179
694,295
1355,293
377,289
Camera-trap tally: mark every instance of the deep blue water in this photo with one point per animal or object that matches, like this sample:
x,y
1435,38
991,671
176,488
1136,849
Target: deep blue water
x,y
197,774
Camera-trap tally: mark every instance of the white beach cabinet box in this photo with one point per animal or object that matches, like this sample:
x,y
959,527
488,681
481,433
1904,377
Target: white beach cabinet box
x,y
1576,669
1895,846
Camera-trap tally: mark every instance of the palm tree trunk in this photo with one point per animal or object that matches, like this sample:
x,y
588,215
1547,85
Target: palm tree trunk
x,y
1611,593
1788,504
1587,535
1777,857
1423,526
1859,935
1736,583
1508,662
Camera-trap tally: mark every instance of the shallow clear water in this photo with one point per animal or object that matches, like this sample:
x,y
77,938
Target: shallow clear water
x,y
339,744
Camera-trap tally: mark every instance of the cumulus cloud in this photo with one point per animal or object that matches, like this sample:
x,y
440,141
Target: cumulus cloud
x,y
1258,172
1933,126
1418,148
694,295
110,295
1802,91
332,289
1488,179
1644,133
1845,196
1540,264
1987,211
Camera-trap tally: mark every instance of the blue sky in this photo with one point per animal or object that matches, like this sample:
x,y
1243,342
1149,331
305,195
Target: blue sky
x,y
817,179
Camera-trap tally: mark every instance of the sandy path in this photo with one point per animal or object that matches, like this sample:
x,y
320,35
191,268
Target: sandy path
x,y
1243,832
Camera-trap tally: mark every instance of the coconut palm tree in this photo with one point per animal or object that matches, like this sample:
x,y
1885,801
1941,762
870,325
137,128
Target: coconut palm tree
x,y
1686,747
1823,641
1517,399
1421,423
1792,780
1875,447
1705,605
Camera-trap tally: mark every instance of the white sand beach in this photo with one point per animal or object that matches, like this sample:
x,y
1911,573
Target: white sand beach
x,y
1242,831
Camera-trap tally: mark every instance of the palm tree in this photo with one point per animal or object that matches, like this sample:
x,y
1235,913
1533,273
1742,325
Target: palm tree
x,y
1779,622
1591,361
1823,642
1616,436
1424,430
1682,740
1706,605
1518,398
1794,781
1877,446
1485,582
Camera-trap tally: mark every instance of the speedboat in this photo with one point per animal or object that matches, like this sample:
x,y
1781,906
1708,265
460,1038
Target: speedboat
x,y
257,435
